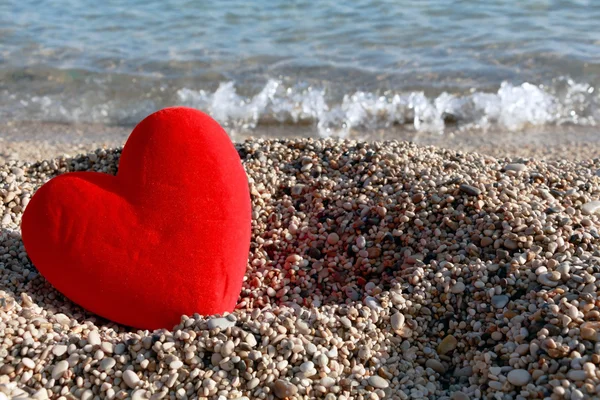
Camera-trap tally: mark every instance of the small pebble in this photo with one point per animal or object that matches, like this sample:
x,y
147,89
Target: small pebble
x,y
59,369
221,323
397,320
436,366
59,350
500,301
576,375
107,363
130,378
458,287
470,190
378,382
284,389
591,207
519,377
371,265
448,344
94,338
515,167
333,238
459,396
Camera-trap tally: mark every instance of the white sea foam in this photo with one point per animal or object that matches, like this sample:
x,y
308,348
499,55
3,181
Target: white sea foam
x,y
511,107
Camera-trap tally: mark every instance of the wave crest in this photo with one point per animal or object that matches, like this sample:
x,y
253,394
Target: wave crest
x,y
513,107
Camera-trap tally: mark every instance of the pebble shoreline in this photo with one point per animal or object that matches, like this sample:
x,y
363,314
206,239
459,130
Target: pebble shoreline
x,y
376,270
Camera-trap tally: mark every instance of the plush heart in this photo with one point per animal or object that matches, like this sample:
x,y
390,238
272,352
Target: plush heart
x,y
168,235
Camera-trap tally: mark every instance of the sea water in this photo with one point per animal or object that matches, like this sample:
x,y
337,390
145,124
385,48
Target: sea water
x,y
325,67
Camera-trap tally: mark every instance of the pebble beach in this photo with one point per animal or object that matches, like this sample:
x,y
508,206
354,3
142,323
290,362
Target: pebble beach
x,y
381,270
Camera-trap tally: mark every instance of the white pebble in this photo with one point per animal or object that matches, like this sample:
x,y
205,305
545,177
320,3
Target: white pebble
x,y
577,375
378,382
94,338
59,349
28,362
130,378
221,323
372,303
519,377
59,369
397,321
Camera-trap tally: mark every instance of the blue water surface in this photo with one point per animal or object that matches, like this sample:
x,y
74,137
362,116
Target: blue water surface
x,y
107,60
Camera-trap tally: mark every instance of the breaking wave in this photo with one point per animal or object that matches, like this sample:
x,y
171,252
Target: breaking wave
x,y
511,106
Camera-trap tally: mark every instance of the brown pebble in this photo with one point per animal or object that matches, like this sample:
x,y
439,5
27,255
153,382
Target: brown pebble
x,y
284,389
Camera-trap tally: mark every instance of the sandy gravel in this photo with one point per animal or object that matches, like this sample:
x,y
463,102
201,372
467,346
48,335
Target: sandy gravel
x,y
384,270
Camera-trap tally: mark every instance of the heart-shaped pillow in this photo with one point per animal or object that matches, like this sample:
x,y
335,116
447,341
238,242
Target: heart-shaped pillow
x,y
168,235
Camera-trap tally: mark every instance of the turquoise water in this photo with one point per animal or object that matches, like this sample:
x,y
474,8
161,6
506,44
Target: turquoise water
x,y
327,66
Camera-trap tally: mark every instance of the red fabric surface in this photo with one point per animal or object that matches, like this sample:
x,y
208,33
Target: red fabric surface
x,y
169,235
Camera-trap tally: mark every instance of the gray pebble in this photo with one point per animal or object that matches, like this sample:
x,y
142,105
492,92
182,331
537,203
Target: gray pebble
x,y
107,363
515,167
252,383
120,348
519,377
372,303
302,327
500,300
470,190
459,396
436,366
459,287
378,382
577,375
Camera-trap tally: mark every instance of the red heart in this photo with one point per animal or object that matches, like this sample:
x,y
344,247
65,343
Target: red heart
x,y
168,235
